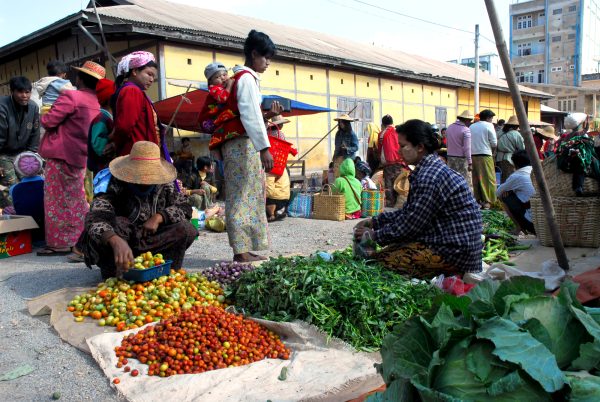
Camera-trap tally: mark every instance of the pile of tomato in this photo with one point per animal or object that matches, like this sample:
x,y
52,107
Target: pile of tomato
x,y
125,305
200,339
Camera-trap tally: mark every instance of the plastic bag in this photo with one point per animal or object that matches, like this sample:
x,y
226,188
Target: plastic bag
x,y
453,285
366,247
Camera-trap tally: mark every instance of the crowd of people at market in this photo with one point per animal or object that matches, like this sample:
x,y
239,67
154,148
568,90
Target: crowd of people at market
x,y
90,163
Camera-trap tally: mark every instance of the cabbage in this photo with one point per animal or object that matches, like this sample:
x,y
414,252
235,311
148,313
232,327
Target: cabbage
x,y
501,342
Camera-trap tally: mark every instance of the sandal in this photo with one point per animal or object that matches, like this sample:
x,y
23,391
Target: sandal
x,y
75,258
50,252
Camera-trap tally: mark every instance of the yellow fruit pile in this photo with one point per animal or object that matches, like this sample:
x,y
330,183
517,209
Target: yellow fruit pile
x,y
146,260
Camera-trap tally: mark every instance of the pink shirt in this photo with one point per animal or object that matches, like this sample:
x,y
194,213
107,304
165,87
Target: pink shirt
x,y
458,137
67,125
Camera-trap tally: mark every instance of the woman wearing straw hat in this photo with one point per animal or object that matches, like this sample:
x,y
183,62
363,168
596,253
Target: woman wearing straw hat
x,y
64,146
458,139
140,211
542,136
509,142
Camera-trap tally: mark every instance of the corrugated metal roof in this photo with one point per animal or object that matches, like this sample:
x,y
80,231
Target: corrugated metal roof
x,y
177,16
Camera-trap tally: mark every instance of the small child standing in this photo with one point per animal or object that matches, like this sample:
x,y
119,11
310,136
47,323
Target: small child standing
x,y
219,89
47,89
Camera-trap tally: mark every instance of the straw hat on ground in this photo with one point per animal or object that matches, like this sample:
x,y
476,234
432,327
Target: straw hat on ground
x,y
512,121
547,132
279,119
466,114
345,117
143,166
93,69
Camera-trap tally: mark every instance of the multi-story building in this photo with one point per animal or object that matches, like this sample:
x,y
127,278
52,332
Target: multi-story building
x,y
553,43
490,63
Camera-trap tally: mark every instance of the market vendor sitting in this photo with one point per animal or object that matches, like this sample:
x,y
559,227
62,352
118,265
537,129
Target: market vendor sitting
x,y
516,191
140,211
438,230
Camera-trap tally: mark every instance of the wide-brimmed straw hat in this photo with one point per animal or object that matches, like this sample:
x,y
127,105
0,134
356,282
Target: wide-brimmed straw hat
x,y
345,117
466,114
93,69
143,166
279,119
512,121
547,132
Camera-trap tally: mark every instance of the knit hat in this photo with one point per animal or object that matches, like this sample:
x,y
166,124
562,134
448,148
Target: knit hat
x,y
104,90
28,164
212,69
143,166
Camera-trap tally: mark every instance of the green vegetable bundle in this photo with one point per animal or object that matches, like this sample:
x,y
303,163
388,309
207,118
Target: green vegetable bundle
x,y
502,342
346,298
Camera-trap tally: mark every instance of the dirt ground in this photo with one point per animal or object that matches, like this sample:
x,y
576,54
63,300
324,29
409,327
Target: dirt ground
x,y
30,344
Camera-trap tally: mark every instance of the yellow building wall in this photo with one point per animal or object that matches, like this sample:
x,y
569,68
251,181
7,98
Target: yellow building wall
x,y
499,102
391,89
341,84
45,55
311,79
186,63
367,87
280,76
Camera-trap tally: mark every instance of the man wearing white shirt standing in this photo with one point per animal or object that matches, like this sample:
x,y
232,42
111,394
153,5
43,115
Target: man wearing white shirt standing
x,y
516,191
483,146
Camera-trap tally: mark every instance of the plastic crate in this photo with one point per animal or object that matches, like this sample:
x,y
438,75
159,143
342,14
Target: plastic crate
x,y
145,275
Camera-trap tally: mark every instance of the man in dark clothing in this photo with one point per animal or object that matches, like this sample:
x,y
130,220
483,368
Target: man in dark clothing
x,y
19,131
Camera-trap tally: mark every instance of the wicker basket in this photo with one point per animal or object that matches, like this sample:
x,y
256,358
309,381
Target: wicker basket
x,y
578,220
560,183
329,206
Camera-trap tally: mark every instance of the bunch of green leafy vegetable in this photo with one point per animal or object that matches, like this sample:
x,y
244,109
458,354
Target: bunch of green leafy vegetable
x,y
502,342
347,298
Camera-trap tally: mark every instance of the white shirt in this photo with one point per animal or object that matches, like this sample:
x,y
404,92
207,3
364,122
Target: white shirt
x,y
249,100
483,138
520,183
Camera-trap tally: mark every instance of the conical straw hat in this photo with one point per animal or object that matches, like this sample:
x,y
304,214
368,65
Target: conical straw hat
x,y
143,166
466,114
512,121
547,132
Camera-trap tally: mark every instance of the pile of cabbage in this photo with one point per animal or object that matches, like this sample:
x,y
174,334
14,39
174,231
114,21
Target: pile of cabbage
x,y
503,341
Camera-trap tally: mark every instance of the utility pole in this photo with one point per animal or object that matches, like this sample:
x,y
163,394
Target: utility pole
x,y
559,249
476,69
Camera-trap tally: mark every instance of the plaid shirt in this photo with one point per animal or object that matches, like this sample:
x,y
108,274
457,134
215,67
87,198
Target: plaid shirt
x,y
440,212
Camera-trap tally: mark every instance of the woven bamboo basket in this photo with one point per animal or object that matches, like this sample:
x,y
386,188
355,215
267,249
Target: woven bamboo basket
x,y
329,206
560,183
578,220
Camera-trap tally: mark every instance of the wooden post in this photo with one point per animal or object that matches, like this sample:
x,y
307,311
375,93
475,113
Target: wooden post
x,y
559,249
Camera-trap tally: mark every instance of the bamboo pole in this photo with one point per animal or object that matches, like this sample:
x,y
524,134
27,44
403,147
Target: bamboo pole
x,y
559,249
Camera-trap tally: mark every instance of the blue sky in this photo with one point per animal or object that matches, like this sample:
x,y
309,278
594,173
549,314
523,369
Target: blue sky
x,y
354,19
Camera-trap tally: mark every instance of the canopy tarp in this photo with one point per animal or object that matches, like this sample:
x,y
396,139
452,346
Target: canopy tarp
x,y
188,116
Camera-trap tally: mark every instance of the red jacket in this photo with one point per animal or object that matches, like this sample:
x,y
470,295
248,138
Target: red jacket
x,y
135,119
67,125
390,147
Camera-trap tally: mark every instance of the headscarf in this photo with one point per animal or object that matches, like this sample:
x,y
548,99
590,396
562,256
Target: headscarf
x,y
134,60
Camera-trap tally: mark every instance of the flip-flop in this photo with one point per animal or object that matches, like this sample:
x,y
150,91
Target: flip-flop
x,y
76,258
49,252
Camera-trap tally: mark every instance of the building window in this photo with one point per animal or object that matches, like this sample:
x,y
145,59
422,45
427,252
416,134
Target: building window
x,y
574,105
571,36
540,77
524,49
524,22
572,9
441,114
542,14
555,39
557,11
556,69
569,105
572,67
